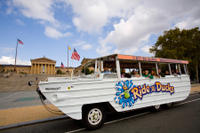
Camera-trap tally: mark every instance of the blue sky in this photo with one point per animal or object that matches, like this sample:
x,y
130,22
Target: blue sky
x,y
93,27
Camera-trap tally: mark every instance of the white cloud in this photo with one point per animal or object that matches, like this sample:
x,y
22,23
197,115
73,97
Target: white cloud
x,y
11,60
92,15
146,48
129,34
36,9
42,11
83,45
54,33
149,17
104,49
188,23
138,20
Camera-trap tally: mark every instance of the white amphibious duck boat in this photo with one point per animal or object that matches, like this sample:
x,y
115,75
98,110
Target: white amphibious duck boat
x,y
119,82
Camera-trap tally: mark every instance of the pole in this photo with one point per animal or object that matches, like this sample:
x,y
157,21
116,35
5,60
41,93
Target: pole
x,y
118,68
72,73
157,69
140,68
170,70
16,56
68,56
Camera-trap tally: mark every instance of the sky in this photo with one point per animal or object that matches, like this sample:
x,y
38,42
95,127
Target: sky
x,y
93,27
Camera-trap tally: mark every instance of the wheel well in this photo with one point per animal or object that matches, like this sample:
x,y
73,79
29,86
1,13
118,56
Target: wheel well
x,y
106,105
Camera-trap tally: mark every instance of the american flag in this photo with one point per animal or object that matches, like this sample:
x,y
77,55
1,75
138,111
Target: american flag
x,y
75,55
62,66
20,42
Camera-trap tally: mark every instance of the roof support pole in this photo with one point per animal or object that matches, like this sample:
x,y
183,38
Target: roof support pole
x,y
179,68
186,66
170,71
95,68
140,68
157,69
118,68
185,69
102,66
98,66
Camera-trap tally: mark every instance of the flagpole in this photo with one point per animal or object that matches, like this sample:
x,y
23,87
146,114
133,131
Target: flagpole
x,y
67,56
16,55
72,73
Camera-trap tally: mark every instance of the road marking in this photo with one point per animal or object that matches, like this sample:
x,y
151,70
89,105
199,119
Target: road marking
x,y
113,121
77,130
138,115
189,101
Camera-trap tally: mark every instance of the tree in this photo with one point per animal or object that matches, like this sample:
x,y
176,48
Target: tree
x,y
59,71
87,71
180,44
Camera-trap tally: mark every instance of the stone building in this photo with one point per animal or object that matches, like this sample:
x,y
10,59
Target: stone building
x,y
42,66
19,68
38,66
83,62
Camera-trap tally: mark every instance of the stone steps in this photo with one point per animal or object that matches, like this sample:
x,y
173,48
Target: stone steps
x,y
17,82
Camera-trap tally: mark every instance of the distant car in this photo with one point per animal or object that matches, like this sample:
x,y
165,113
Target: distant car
x,y
90,97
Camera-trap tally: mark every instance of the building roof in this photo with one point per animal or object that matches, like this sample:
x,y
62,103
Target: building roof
x,y
43,59
85,60
14,65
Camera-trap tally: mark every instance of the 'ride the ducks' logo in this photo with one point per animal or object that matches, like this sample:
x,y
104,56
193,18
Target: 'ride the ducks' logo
x,y
127,93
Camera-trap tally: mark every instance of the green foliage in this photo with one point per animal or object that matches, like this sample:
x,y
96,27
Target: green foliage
x,y
82,70
87,71
180,44
92,71
59,71
22,73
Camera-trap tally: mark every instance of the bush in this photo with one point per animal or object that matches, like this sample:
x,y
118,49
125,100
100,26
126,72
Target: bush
x,y
87,71
22,72
59,71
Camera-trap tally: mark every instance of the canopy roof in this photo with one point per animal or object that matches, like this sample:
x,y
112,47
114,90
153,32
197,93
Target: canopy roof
x,y
143,59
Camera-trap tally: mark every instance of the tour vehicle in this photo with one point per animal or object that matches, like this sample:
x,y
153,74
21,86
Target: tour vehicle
x,y
119,83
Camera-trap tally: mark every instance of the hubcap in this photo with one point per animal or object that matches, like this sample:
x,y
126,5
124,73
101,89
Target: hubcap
x,y
94,116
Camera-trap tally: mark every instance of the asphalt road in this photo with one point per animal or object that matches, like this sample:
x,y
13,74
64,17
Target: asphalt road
x,y
184,117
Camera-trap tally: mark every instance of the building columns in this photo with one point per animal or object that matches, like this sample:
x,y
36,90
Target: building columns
x,y
48,69
42,67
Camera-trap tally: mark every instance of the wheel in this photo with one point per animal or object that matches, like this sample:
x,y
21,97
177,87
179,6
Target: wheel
x,y
155,108
93,117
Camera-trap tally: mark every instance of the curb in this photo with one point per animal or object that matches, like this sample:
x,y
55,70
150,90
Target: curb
x,y
32,122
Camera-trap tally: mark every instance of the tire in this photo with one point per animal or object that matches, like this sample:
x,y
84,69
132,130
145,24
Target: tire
x,y
93,117
155,108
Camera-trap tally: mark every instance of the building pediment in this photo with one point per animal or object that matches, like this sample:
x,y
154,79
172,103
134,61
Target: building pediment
x,y
43,59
